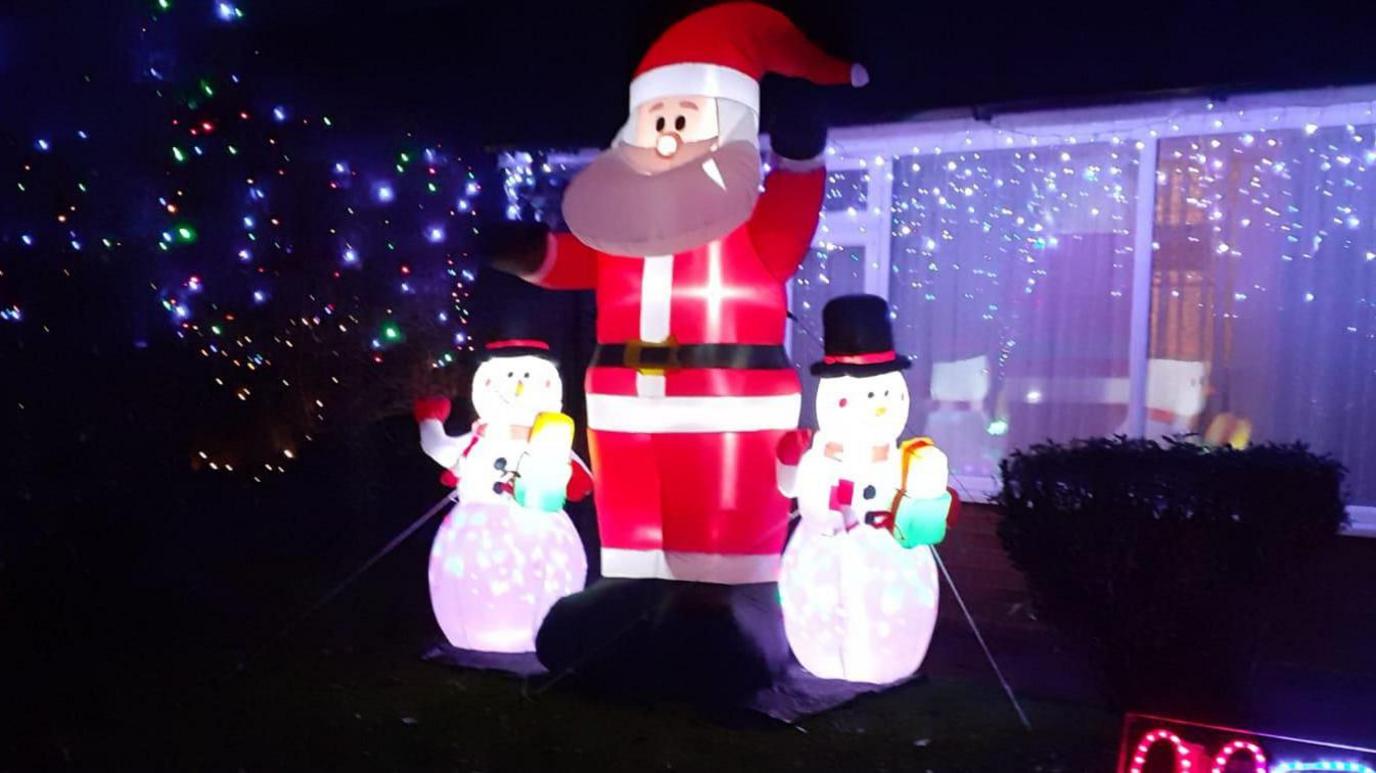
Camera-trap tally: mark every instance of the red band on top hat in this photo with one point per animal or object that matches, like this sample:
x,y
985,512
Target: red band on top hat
x,y
511,343
860,359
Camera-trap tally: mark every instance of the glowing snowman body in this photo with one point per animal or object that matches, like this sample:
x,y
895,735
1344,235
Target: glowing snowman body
x,y
858,605
496,567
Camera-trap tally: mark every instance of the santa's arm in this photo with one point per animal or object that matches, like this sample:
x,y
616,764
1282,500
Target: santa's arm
x,y
786,214
557,261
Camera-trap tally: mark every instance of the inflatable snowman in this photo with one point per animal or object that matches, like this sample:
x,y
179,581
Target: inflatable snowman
x,y
858,582
507,551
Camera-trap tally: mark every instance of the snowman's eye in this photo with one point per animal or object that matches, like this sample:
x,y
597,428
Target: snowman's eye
x,y
871,395
527,375
886,393
509,374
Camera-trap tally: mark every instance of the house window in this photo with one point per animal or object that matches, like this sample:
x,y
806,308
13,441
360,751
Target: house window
x,y
1011,280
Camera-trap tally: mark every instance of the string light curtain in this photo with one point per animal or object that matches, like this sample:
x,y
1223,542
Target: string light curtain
x,y
1010,278
1263,317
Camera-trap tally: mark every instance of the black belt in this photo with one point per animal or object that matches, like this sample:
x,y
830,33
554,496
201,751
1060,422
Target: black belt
x,y
656,358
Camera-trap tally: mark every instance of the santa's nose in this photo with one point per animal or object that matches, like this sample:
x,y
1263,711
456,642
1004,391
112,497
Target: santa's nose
x,y
666,145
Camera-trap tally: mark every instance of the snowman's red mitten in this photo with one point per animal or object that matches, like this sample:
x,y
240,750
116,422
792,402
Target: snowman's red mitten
x,y
793,445
953,514
580,482
431,408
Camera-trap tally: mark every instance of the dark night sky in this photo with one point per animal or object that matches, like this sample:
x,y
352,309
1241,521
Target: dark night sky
x,y
544,73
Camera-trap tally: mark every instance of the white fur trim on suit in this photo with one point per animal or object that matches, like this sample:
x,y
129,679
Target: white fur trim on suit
x,y
630,413
696,79
690,567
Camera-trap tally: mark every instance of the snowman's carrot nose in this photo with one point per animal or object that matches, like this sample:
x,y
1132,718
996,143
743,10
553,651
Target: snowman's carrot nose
x,y
520,387
880,410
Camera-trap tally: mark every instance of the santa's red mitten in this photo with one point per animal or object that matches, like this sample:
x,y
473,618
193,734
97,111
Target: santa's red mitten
x,y
580,482
431,408
448,479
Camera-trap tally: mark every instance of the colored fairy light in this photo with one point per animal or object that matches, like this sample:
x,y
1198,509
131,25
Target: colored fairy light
x,y
193,283
186,234
259,296
1327,765
27,239
1235,748
245,256
11,314
384,193
228,11
178,155
1185,758
350,255
249,222
42,145
434,234
279,114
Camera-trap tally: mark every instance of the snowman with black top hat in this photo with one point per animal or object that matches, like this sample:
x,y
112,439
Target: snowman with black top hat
x,y
858,582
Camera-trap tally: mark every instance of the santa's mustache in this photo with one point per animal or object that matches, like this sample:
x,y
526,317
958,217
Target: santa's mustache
x,y
615,208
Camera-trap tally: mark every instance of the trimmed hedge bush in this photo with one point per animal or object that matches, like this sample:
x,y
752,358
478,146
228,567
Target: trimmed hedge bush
x,y
1167,562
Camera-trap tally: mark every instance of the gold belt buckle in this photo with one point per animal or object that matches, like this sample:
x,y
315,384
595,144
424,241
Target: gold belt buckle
x,y
635,348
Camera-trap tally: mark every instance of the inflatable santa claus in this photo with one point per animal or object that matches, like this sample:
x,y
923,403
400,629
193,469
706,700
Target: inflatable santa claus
x,y
690,389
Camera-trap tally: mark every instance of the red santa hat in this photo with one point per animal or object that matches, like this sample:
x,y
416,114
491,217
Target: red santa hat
x,y
723,51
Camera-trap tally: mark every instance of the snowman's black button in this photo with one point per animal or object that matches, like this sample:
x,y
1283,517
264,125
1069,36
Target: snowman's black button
x,y
870,492
498,488
500,463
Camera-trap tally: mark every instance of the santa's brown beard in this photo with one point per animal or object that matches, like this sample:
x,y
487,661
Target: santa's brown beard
x,y
614,208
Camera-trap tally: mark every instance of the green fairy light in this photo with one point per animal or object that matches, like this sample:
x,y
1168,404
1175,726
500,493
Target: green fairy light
x,y
233,151
207,88
178,155
186,234
433,188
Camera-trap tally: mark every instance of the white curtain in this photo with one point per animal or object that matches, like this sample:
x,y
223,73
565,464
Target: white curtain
x,y
1264,298
1010,277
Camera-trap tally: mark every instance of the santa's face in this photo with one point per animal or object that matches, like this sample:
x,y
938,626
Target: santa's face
x,y
670,183
671,132
868,410
512,390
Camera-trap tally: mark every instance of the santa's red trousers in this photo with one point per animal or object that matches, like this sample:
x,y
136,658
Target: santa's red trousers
x,y
699,506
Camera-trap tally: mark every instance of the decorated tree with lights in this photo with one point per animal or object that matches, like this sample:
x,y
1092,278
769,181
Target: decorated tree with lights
x,y
318,272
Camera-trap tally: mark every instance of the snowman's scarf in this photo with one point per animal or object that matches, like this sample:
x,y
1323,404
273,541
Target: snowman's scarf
x,y
836,450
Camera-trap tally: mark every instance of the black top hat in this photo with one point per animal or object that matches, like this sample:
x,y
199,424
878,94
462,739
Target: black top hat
x,y
516,336
857,338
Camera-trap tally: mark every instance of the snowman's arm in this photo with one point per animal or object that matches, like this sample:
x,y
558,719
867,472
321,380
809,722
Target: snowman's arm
x,y
580,479
786,214
438,445
788,454
569,264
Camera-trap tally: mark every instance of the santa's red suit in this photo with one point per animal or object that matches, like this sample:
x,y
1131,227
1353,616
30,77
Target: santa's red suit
x,y
690,389
684,455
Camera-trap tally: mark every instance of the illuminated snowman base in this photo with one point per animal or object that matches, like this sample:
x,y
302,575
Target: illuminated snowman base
x,y
496,569
857,605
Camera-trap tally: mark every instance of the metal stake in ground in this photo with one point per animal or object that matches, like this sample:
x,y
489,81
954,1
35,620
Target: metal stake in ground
x,y
1022,717
396,541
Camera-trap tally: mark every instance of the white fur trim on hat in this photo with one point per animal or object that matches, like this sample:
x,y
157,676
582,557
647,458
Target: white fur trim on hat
x,y
696,79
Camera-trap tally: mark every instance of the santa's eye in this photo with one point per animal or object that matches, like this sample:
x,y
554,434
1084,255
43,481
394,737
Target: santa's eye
x,y
680,123
659,124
